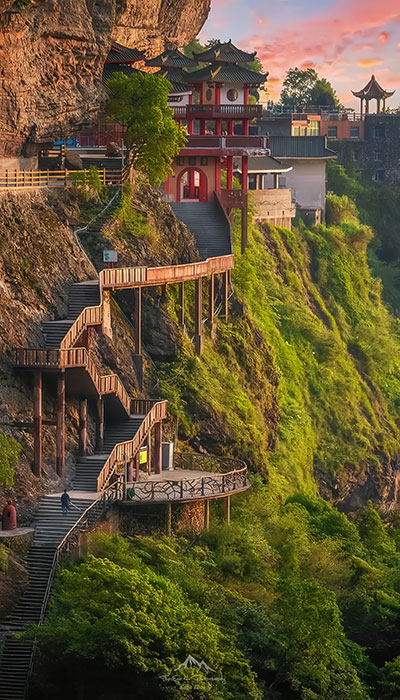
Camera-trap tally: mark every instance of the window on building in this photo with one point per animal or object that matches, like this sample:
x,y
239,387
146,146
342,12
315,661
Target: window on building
x,y
379,132
203,160
252,182
209,94
180,160
356,155
232,95
379,176
296,131
332,132
313,128
378,156
192,160
354,132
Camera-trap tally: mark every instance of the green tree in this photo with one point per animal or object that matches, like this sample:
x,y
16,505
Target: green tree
x,y
9,453
298,86
153,138
321,88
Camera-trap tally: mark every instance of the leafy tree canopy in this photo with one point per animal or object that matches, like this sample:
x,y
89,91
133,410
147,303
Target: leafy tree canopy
x,y
303,87
153,138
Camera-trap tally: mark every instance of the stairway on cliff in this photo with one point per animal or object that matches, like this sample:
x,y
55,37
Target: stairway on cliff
x,y
88,468
209,225
80,295
51,526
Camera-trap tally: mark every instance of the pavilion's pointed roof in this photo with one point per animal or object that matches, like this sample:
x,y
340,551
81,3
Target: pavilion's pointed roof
x,y
171,58
226,73
373,90
224,53
122,54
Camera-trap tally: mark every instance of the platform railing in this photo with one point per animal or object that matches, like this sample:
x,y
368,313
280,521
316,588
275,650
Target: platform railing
x,y
11,179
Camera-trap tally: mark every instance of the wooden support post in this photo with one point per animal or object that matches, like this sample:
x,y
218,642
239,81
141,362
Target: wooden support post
x,y
207,515
211,306
225,291
138,320
181,311
157,454
100,426
168,519
37,422
229,172
148,443
227,509
82,427
130,472
198,316
60,429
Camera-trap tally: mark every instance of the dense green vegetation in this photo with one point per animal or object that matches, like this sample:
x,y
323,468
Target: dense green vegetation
x,y
379,208
9,452
294,602
307,378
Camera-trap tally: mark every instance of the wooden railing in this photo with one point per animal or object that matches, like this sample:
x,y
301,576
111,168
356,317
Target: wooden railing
x,y
124,452
215,111
125,277
232,142
210,486
55,178
90,316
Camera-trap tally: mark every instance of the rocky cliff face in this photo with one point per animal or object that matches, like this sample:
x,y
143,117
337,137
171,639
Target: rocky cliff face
x,y
52,54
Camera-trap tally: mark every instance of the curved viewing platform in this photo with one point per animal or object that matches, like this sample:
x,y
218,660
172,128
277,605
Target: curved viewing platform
x,y
194,477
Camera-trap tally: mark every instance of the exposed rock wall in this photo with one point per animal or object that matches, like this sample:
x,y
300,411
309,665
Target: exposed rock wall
x,y
52,54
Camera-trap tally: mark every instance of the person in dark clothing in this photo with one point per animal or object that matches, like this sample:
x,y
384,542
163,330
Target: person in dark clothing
x,y
65,502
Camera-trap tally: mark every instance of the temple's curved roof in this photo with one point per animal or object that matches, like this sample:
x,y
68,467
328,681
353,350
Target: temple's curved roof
x,y
171,59
121,54
226,73
373,90
224,53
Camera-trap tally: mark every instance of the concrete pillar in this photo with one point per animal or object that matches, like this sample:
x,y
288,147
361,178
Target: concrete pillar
x,y
181,310
37,422
207,515
138,320
60,427
276,181
157,454
211,305
227,509
198,316
82,427
100,426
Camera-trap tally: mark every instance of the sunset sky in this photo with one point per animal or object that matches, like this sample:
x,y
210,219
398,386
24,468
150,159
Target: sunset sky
x,y
345,40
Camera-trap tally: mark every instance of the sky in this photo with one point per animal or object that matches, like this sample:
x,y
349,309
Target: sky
x,y
344,40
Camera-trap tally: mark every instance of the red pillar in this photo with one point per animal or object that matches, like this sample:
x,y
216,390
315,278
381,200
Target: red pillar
x,y
60,428
202,127
218,127
246,94
191,184
190,127
217,94
245,173
245,127
229,173
230,127
218,174
37,423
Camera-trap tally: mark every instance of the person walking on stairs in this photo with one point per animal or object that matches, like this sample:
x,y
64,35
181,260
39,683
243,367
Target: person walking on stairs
x,y
65,502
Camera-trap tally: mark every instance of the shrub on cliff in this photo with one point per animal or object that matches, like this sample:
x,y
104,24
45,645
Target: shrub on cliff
x,y
153,138
9,453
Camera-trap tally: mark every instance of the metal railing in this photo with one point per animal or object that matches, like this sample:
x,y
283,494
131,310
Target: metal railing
x,y
124,452
211,486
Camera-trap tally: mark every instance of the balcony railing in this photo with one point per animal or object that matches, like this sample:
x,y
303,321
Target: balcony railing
x,y
218,111
256,142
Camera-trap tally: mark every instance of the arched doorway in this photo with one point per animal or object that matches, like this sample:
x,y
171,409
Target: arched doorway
x,y
192,185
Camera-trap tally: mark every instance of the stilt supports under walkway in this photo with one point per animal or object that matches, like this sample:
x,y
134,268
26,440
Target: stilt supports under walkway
x,y
100,426
37,422
225,293
207,515
60,426
227,509
198,316
181,310
138,320
211,306
157,454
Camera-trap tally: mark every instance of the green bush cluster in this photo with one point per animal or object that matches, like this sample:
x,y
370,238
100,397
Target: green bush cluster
x,y
9,452
292,602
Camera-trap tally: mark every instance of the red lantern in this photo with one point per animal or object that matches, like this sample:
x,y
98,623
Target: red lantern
x,y
9,517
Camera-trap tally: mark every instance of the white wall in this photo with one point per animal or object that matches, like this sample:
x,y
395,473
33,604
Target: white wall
x,y
307,181
224,90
